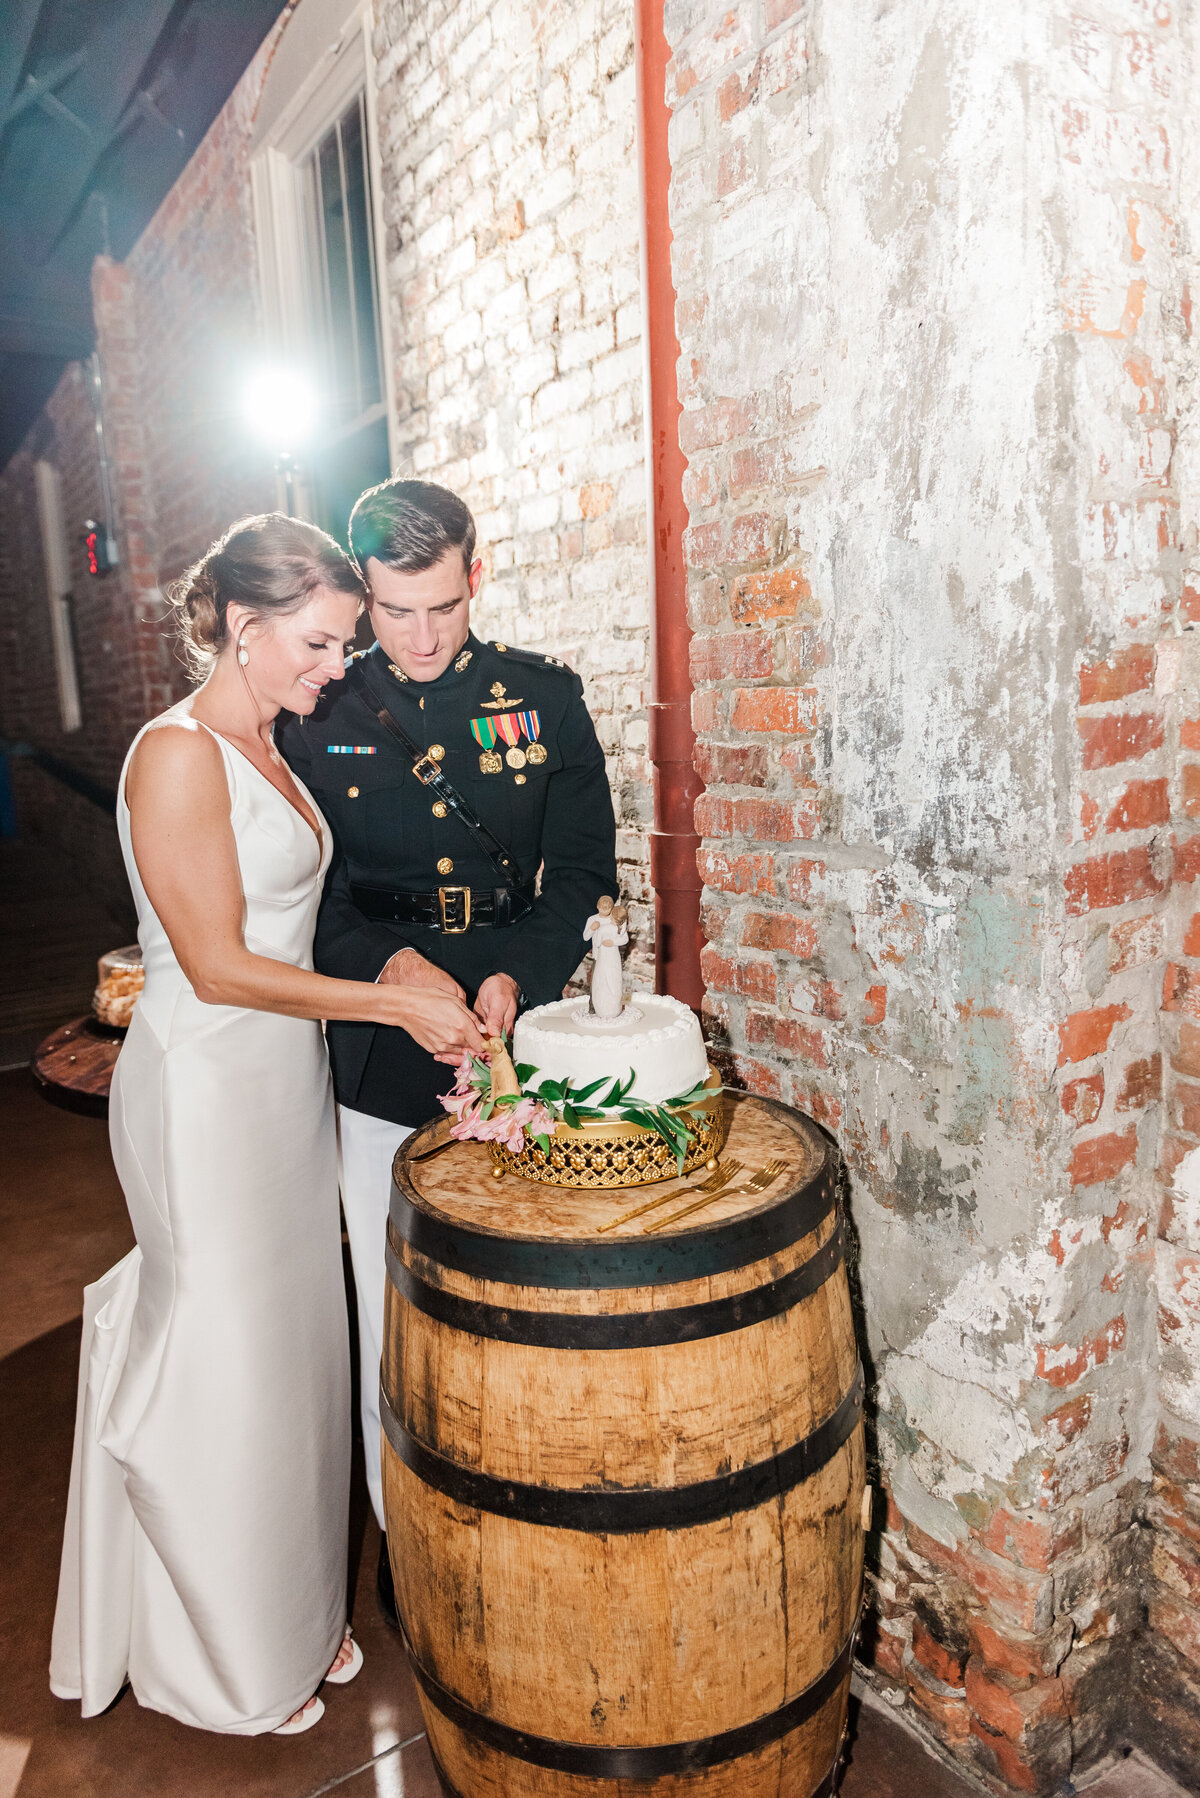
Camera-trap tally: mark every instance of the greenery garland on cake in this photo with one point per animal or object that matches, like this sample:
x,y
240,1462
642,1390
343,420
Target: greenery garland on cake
x,y
539,1105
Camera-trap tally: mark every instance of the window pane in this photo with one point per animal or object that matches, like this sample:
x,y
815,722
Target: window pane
x,y
342,250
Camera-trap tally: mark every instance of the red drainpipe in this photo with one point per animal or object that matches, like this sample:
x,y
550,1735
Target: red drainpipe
x,y
673,840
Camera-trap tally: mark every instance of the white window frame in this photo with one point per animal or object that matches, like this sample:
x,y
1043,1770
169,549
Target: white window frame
x,y
58,591
332,77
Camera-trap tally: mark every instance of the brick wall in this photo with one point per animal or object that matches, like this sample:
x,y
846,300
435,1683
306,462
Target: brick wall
x,y
935,363
511,203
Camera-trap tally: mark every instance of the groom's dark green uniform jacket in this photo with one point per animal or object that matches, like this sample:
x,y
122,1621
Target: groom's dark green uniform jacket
x,y
520,748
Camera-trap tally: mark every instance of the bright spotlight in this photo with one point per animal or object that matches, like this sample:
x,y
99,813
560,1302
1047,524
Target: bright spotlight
x,y
280,407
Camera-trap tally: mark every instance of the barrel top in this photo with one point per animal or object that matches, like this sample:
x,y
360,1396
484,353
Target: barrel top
x,y
456,1184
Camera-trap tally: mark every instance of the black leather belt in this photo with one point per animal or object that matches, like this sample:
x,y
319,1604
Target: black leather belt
x,y
452,910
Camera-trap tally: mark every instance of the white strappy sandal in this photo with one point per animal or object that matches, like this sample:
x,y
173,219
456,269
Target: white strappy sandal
x,y
304,1719
345,1674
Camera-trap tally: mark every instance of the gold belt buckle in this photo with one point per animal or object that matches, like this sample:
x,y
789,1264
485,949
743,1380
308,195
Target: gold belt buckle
x,y
432,771
463,893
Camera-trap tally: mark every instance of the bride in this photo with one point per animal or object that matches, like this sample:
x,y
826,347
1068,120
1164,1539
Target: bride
x,y
204,1559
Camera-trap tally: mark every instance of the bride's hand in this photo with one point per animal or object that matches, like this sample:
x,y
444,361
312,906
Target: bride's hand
x,y
438,1021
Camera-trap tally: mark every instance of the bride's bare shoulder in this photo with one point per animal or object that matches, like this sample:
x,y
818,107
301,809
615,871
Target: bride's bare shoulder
x,y
175,756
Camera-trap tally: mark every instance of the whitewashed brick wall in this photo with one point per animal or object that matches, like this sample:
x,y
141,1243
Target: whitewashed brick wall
x,y
510,196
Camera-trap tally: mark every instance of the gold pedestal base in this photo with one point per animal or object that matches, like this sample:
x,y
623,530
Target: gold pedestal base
x,y
618,1154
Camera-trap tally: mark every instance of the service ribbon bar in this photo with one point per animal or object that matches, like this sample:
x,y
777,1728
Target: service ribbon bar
x,y
350,749
484,731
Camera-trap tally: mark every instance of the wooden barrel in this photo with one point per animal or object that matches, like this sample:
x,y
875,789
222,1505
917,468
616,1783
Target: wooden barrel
x,y
623,1475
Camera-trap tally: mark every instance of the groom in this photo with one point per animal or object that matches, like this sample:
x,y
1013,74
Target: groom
x,y
416,895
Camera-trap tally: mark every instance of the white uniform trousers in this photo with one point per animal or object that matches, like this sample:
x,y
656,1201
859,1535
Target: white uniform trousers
x,y
366,1147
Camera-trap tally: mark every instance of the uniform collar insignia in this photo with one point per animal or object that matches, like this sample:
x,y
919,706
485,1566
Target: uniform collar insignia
x,y
500,701
398,672
460,667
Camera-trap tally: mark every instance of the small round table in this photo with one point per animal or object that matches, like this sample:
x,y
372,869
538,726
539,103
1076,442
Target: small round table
x,y
74,1065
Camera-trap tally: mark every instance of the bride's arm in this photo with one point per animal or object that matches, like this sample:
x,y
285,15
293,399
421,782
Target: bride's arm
x,y
184,847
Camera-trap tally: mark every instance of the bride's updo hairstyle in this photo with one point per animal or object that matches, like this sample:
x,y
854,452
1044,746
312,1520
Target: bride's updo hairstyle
x,y
270,564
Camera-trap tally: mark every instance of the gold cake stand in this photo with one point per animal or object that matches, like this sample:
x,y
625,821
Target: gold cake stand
x,y
617,1154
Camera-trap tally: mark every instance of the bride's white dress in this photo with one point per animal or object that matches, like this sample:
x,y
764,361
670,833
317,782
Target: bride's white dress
x,y
205,1548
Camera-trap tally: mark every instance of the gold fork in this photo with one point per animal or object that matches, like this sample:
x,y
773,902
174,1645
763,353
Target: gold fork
x,y
766,1176
724,1173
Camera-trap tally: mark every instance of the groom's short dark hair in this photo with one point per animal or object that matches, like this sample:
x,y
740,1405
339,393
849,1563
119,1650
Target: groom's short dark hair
x,y
409,525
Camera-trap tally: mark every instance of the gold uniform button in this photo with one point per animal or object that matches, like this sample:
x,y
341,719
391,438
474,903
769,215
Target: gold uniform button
x,y
436,751
445,865
518,780
502,647
440,808
351,792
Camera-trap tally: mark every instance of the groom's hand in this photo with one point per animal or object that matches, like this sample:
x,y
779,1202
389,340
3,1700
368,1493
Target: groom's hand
x,y
496,1004
408,967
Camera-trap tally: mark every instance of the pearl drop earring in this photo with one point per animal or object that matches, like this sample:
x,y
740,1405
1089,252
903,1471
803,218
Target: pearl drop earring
x,y
243,654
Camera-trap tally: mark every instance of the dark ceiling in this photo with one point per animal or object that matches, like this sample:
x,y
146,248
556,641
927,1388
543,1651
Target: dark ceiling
x,y
102,102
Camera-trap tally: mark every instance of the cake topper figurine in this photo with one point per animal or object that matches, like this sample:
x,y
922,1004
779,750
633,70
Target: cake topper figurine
x,y
504,1074
605,931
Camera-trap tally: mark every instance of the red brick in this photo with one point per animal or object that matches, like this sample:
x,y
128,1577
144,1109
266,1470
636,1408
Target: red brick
x,y
1089,817
1031,1541
1142,804
944,1663
789,709
948,1714
1186,853
780,931
736,873
1069,1420
1181,989
1060,1365
706,708
1186,1059
1125,737
713,817
1083,1098
777,821
715,919
804,879
1103,1157
1109,880
1132,941
704,545
768,1029
778,594
731,764
1142,1084
752,537
1014,1653
875,1010
1011,1711
744,976
718,423
1011,1766
1125,671
1191,936
1086,1033
736,655
1191,788
757,1077
1013,1594
1185,1107
825,998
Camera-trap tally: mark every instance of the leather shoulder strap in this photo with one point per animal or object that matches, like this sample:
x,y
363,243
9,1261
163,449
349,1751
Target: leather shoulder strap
x,y
429,773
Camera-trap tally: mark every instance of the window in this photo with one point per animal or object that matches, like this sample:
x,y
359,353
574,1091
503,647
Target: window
x,y
58,592
316,214
344,291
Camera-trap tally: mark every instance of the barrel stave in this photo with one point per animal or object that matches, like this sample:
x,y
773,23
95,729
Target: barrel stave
x,y
688,1631
791,1768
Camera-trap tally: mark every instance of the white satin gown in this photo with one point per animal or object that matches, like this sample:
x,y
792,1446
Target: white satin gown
x,y
205,1550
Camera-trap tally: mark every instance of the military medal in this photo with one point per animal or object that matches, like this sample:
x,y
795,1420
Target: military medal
x,y
484,732
508,728
535,755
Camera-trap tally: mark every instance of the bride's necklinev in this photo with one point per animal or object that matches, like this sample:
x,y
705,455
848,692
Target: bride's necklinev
x,y
301,808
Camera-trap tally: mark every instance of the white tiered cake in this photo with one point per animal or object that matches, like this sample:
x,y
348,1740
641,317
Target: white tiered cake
x,y
656,1038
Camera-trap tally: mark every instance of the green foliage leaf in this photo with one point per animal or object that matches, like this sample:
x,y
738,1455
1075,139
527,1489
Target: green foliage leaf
x,y
570,1115
524,1071
543,1143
